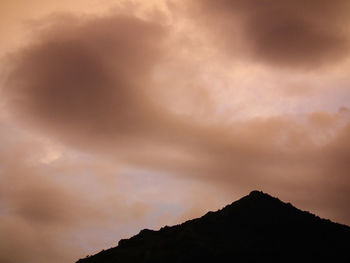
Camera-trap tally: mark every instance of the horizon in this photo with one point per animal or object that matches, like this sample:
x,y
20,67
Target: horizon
x,y
122,115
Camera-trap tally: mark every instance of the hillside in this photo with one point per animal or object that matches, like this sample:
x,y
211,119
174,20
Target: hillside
x,y
256,228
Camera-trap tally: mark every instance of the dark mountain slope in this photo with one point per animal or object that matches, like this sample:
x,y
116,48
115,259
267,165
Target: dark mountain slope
x,y
256,228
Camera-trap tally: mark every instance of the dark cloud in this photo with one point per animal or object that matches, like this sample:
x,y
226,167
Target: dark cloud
x,y
282,33
89,76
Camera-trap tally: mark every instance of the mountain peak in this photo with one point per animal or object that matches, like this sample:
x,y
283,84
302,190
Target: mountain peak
x,y
259,195
256,192
256,227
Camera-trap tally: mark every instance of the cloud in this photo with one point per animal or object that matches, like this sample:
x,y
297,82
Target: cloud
x,y
91,85
88,75
44,211
291,34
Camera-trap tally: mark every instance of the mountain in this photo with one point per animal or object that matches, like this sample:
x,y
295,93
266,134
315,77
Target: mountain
x,y
256,228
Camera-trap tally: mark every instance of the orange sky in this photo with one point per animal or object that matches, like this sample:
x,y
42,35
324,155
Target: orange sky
x,y
121,115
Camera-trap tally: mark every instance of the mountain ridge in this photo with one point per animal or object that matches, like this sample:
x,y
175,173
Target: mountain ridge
x,y
255,227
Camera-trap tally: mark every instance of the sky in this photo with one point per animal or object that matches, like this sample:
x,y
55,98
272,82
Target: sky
x,y
123,115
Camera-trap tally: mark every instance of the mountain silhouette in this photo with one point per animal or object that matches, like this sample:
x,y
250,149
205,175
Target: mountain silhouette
x,y
256,228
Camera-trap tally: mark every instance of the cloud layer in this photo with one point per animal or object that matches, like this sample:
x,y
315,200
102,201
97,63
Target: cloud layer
x,y
111,123
291,34
88,75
